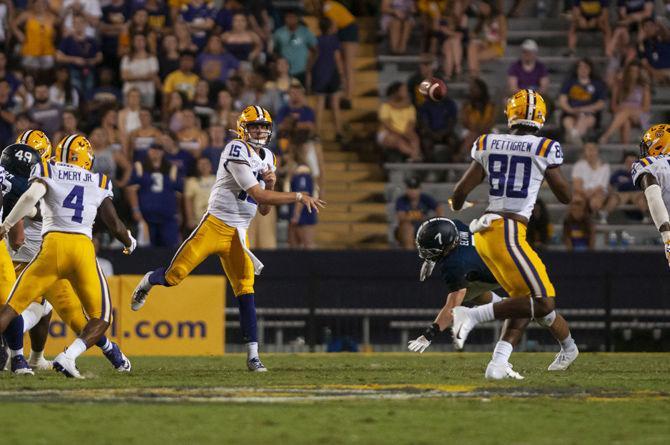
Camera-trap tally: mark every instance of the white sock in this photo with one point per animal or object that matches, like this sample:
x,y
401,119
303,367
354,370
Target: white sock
x,y
13,353
77,348
252,350
502,352
36,355
495,297
568,343
107,347
483,313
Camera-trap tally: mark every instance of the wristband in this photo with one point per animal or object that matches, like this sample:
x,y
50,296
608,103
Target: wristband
x,y
431,331
298,197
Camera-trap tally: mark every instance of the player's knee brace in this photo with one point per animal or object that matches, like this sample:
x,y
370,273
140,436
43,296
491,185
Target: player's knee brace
x,y
547,320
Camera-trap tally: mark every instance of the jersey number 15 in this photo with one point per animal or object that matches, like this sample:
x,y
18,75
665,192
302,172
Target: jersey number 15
x,y
503,172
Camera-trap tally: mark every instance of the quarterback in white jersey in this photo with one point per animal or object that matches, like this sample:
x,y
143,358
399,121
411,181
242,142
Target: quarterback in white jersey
x,y
244,182
652,174
515,164
69,195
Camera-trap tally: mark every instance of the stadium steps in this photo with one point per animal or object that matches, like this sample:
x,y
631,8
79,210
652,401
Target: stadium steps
x,y
353,181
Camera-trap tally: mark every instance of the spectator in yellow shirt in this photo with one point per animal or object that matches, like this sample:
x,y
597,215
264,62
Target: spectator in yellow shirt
x,y
183,79
397,122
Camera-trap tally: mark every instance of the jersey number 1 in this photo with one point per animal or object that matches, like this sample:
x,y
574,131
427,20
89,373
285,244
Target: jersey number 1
x,y
75,201
503,172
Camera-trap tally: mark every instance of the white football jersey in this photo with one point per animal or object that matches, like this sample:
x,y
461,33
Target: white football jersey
x,y
515,166
4,186
228,201
659,168
73,197
32,230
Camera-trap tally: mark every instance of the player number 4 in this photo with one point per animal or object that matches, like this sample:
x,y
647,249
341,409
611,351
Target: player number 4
x,y
75,201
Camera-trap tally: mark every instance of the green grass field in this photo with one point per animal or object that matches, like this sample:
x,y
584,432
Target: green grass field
x,y
343,398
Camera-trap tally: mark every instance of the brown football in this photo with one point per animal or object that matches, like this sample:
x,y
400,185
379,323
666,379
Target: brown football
x,y
435,89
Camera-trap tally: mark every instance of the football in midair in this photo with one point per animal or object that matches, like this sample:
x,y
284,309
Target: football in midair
x,y
433,88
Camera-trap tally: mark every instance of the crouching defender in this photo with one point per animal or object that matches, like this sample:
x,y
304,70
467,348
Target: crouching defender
x,y
515,164
449,245
244,182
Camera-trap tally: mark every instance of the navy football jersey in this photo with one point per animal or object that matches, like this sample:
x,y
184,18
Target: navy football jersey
x,y
463,268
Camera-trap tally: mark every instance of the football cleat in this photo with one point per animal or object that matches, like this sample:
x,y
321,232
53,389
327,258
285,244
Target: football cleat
x,y
496,371
462,325
66,366
118,359
20,366
564,359
141,293
255,365
40,363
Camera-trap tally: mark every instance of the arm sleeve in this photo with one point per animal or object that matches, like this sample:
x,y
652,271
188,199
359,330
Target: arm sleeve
x,y
659,213
26,204
242,174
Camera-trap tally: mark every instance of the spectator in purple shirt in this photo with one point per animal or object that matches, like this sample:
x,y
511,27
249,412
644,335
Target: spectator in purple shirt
x,y
436,124
328,74
82,55
528,72
214,63
199,17
297,111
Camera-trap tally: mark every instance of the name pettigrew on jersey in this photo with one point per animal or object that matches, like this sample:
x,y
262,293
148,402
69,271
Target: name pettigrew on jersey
x,y
497,144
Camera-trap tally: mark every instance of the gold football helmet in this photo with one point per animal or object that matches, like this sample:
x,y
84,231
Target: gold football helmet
x,y
37,140
526,107
255,115
75,150
655,141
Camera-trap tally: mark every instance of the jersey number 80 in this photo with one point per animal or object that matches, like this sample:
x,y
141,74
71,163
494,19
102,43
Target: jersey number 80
x,y
503,172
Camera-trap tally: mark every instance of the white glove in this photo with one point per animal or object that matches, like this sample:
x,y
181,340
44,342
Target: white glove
x,y
426,269
483,222
666,242
466,205
419,345
133,245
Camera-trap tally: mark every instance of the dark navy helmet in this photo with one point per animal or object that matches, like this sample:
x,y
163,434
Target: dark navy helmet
x,y
18,159
435,238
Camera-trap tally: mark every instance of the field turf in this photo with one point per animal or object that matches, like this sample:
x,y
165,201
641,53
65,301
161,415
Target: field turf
x,y
343,398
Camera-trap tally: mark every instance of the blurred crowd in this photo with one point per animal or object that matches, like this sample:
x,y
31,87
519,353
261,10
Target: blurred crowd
x,y
596,104
158,85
